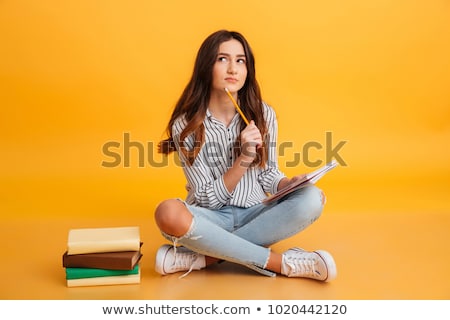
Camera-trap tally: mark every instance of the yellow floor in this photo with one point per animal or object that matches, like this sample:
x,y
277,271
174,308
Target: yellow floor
x,y
399,254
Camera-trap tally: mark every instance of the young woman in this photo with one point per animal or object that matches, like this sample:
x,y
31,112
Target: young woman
x,y
230,167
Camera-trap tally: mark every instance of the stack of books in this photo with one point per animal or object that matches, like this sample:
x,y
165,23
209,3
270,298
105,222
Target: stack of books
x,y
103,256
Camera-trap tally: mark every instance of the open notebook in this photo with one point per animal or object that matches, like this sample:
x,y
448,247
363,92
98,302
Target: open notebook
x,y
310,178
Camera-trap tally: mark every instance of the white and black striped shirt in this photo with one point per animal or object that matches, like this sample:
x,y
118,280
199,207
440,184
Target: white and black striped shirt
x,y
205,184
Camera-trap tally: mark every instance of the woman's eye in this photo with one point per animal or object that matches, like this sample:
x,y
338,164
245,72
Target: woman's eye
x,y
222,59
241,61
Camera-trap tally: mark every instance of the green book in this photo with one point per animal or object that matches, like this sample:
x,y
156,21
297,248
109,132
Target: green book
x,y
80,273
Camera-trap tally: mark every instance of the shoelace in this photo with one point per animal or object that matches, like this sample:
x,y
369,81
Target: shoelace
x,y
187,272
302,266
187,259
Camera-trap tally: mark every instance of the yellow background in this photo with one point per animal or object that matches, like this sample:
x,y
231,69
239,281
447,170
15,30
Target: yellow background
x,y
75,75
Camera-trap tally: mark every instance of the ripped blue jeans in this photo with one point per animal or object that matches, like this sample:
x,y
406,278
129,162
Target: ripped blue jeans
x,y
243,235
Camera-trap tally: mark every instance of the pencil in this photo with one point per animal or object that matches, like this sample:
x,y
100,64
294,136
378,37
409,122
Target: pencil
x,y
237,106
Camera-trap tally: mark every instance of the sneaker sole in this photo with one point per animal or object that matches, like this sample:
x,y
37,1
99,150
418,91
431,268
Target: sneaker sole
x,y
331,265
161,257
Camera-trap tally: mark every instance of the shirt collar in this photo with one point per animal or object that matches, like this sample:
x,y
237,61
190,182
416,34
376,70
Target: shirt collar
x,y
210,117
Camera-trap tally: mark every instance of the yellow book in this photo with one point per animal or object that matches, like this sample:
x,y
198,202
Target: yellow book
x,y
105,281
93,240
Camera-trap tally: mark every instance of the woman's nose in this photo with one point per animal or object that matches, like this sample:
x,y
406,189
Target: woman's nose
x,y
232,68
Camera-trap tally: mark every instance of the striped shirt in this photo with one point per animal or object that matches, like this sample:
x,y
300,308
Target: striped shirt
x,y
205,184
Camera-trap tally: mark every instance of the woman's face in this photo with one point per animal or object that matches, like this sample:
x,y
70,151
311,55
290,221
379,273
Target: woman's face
x,y
230,68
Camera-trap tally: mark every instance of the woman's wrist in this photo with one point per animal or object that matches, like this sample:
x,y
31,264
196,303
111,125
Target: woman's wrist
x,y
245,160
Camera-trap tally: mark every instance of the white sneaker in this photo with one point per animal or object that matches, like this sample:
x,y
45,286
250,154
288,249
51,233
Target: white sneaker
x,y
170,260
318,265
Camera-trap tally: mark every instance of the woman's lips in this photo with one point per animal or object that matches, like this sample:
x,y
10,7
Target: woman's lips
x,y
232,80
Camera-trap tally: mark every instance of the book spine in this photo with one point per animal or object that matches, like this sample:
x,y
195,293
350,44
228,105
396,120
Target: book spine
x,y
82,247
104,281
80,273
100,262
118,264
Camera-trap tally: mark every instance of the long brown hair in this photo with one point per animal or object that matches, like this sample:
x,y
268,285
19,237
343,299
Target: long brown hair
x,y
194,100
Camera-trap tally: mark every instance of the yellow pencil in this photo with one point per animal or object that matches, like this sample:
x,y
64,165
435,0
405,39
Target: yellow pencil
x,y
237,107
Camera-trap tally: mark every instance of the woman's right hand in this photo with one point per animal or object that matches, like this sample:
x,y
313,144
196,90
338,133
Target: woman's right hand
x,y
251,139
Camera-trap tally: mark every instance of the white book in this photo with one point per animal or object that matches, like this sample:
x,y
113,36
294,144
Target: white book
x,y
95,240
